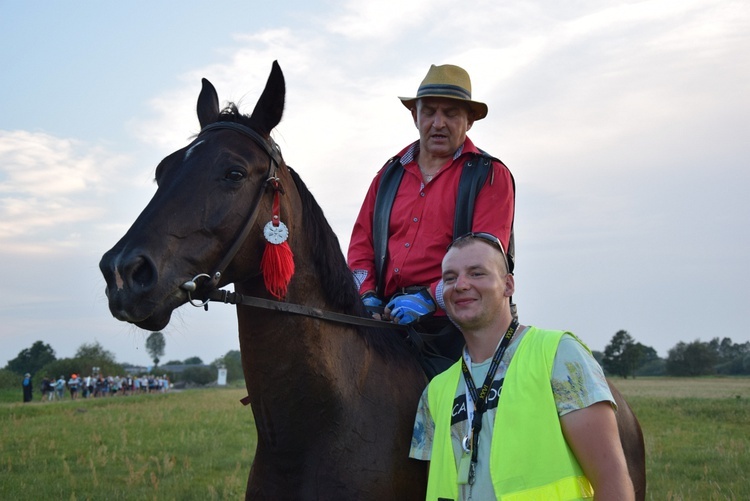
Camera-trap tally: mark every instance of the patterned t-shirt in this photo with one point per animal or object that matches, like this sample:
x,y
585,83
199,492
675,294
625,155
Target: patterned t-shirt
x,y
577,382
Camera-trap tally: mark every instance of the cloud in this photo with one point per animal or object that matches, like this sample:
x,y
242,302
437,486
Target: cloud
x,y
50,186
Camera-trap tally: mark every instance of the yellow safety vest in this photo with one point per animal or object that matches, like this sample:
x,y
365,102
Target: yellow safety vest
x,y
529,457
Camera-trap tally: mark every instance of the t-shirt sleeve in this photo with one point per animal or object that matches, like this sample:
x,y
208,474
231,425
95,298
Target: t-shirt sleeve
x,y
424,431
577,378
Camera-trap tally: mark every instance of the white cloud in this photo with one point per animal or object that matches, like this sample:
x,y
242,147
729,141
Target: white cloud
x,y
50,186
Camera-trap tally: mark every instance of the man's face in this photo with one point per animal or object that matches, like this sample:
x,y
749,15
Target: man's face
x,y
475,285
442,125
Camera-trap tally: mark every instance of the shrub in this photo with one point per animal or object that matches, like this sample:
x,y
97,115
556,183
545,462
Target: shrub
x,y
199,375
9,380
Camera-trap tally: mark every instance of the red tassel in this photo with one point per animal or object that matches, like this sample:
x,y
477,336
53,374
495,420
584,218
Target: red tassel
x,y
277,266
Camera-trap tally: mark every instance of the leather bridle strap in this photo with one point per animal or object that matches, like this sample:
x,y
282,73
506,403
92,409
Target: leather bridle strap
x,y
274,155
224,296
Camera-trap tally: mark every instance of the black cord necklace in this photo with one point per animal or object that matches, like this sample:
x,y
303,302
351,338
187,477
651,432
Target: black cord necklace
x,y
480,400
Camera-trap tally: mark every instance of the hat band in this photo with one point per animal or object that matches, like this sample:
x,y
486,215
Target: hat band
x,y
444,90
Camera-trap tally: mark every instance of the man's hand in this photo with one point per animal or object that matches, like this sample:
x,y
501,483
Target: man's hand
x,y
408,308
373,304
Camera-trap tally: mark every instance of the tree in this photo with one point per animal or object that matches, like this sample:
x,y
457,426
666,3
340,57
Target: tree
x,y
9,380
232,361
622,356
95,352
155,346
598,356
32,359
87,357
199,375
193,361
90,355
692,359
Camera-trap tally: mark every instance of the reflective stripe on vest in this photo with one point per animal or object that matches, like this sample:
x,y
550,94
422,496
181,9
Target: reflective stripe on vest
x,y
529,458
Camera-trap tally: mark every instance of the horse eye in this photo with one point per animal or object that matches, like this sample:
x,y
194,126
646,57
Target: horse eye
x,y
235,175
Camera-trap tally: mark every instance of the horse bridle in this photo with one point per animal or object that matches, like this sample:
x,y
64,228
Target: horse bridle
x,y
219,295
274,155
216,294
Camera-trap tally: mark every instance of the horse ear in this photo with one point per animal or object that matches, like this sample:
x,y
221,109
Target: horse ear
x,y
270,107
208,104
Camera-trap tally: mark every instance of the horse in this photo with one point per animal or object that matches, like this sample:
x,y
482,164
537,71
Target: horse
x,y
333,402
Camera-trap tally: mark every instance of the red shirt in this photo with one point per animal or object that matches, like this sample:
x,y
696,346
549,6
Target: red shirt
x,y
421,224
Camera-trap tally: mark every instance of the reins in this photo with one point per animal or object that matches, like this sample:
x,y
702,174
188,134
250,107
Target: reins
x,y
219,295
226,297
410,335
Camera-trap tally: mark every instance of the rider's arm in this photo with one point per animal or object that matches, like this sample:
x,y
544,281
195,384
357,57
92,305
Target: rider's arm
x,y
361,254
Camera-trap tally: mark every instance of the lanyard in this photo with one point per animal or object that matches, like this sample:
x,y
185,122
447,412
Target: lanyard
x,y
480,399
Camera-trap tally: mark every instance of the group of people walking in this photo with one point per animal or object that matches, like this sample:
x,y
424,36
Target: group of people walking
x,y
96,386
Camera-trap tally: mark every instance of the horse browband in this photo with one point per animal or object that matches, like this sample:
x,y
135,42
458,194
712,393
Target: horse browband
x,y
268,145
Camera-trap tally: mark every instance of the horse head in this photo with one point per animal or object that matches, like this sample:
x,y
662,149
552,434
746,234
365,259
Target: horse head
x,y
204,226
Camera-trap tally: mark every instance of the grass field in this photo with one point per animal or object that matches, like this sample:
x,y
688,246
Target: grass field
x,y
187,445
199,444
697,433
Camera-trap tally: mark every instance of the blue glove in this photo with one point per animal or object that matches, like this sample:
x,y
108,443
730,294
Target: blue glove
x,y
408,308
373,304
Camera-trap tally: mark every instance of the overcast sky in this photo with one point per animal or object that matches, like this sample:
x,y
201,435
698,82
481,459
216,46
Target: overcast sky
x,y
626,125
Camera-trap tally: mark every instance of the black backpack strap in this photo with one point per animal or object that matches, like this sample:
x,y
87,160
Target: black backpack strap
x,y
473,177
476,170
381,218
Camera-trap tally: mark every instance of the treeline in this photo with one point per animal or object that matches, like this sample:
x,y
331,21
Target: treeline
x,y
626,357
40,360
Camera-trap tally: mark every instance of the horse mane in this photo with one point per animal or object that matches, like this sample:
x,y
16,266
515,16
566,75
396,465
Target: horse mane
x,y
231,113
337,279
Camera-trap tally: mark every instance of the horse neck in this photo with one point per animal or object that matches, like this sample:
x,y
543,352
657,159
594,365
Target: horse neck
x,y
272,341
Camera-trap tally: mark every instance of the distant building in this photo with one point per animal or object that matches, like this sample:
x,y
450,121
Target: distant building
x,y
161,369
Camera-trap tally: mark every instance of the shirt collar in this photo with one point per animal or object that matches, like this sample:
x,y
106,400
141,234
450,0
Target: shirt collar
x,y
412,152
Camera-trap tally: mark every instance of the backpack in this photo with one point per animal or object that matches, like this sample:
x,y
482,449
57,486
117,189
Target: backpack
x,y
473,177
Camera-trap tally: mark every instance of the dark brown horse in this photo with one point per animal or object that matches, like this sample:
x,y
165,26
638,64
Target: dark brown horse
x,y
334,404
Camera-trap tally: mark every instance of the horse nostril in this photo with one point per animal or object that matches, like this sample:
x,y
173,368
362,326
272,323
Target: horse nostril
x,y
140,273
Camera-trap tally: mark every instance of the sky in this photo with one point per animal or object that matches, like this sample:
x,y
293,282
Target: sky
x,y
626,125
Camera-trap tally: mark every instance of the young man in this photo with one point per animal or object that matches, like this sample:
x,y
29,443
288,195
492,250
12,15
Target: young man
x,y
526,412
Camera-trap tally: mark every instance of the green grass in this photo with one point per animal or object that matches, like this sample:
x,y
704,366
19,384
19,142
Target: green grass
x,y
199,444
697,439
187,445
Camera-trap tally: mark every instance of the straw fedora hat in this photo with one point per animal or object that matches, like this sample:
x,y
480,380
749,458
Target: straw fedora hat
x,y
448,81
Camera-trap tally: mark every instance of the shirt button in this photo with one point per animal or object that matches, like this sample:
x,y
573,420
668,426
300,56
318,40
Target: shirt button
x,y
406,244
395,270
415,219
421,194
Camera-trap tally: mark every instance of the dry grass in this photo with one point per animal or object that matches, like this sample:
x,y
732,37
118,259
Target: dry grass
x,y
707,387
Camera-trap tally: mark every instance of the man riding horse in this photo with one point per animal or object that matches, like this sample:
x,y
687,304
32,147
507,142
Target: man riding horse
x,y
434,190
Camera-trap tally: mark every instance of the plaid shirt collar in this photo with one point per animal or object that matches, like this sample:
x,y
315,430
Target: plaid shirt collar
x,y
413,152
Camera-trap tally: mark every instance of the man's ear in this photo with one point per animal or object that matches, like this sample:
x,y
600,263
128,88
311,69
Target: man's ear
x,y
510,285
414,116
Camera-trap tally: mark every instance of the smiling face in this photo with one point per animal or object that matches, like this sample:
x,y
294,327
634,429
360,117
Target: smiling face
x,y
477,286
442,125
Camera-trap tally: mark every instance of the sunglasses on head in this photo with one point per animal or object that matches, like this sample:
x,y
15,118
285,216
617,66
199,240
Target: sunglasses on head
x,y
486,237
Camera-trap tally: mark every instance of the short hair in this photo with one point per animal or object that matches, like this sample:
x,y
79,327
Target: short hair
x,y
487,238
